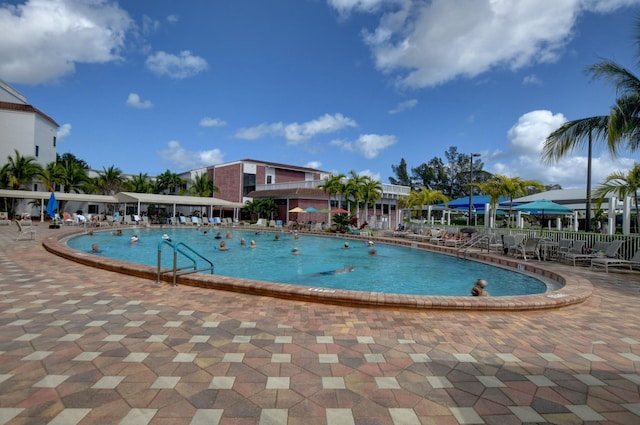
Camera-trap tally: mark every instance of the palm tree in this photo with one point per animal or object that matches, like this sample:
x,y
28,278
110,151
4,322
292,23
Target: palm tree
x,y
109,181
19,172
353,190
72,177
203,186
623,185
138,184
494,190
417,199
371,192
620,127
333,185
168,181
515,187
22,171
50,175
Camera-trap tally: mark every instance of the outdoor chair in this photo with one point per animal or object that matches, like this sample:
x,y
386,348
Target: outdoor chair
x,y
531,247
25,228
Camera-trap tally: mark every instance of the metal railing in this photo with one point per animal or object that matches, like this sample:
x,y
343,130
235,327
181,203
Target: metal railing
x,y
186,251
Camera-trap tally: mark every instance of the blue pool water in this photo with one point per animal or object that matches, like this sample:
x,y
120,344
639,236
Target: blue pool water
x,y
393,269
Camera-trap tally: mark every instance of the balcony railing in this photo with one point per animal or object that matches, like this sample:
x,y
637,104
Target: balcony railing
x,y
387,189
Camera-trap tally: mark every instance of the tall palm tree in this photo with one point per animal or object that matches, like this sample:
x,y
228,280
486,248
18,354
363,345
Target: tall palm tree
x,y
417,199
72,177
353,189
333,185
169,182
620,128
494,190
515,187
202,185
371,192
623,185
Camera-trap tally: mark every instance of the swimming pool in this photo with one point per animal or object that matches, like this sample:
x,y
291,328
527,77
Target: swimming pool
x,y
393,269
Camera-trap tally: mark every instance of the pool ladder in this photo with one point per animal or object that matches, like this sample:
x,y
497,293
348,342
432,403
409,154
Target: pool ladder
x,y
186,251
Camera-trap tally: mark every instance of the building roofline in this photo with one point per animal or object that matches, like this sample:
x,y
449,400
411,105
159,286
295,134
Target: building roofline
x,y
10,106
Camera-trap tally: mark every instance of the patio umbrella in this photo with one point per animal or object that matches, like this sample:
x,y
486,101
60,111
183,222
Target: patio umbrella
x,y
310,209
296,210
52,205
325,210
543,206
339,211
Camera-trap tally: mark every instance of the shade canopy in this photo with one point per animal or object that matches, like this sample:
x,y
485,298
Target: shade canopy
x,y
311,209
339,211
543,206
296,210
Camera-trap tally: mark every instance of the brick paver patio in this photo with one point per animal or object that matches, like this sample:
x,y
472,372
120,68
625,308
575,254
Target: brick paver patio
x,y
83,346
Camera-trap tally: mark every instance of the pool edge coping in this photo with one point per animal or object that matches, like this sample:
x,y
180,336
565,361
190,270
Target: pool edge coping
x,y
574,290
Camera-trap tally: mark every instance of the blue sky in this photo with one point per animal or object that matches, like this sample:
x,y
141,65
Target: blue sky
x,y
339,85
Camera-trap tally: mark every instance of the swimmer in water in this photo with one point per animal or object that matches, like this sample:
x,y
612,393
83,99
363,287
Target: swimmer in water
x,y
338,271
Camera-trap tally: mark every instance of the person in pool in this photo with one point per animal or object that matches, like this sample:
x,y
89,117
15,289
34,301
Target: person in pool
x,y
479,289
95,248
338,271
222,246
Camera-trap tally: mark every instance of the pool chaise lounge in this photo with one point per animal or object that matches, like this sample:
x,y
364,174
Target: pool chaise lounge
x,y
616,262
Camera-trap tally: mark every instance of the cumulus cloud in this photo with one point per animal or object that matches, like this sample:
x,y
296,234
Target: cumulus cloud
x,y
524,155
296,133
404,106
172,19
529,133
532,79
212,122
313,164
374,176
43,40
367,145
63,131
424,44
135,102
184,159
178,67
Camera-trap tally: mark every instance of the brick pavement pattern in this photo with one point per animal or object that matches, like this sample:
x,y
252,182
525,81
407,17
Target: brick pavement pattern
x,y
83,346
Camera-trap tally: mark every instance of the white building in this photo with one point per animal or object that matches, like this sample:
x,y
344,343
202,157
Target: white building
x,y
25,128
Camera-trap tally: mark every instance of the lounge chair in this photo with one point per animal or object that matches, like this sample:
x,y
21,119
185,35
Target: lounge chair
x,y
512,243
195,221
564,245
25,228
68,220
531,247
616,262
611,251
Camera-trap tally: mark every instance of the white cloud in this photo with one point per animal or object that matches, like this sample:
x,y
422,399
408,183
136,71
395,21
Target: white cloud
x,y
63,131
404,106
532,79
313,164
367,145
43,40
367,172
135,102
296,133
524,157
212,122
189,160
149,25
172,19
423,44
531,130
178,67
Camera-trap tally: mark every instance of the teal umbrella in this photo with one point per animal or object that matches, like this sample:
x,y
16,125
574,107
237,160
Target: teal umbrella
x,y
311,209
543,206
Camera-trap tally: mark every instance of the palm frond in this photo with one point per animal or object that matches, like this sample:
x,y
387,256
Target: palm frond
x,y
574,135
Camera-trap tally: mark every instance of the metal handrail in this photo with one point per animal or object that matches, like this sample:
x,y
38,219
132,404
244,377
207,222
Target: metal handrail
x,y
181,248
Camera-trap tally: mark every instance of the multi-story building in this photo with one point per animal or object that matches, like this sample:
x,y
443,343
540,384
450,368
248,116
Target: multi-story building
x,y
294,187
25,128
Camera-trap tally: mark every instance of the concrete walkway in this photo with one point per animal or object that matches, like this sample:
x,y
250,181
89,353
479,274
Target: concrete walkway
x,y
85,346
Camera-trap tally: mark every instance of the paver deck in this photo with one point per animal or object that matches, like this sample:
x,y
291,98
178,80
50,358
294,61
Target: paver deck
x,y
83,346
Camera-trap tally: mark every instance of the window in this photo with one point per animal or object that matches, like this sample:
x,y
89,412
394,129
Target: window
x,y
37,150
54,141
248,183
269,179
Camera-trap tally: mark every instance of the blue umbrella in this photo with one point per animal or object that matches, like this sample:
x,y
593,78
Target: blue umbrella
x,y
52,205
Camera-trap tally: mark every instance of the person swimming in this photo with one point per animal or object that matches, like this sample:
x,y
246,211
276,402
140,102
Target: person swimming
x,y
338,271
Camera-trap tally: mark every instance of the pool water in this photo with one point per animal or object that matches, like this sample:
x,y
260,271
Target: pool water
x,y
393,269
